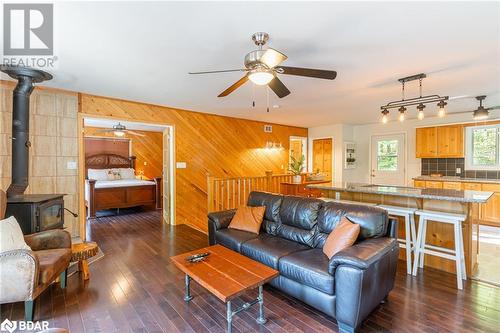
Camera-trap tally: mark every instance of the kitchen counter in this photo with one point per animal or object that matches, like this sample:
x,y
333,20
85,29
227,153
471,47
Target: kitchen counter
x,y
466,196
466,202
457,179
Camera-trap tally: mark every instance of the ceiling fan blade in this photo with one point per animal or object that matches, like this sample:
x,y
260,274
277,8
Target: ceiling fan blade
x,y
494,107
278,87
309,72
272,58
105,130
235,86
221,71
134,133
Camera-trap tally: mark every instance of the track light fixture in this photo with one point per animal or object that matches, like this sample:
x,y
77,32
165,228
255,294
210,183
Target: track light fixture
x,y
419,101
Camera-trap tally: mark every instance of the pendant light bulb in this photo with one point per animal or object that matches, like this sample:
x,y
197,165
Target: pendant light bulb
x,y
441,111
402,114
420,114
385,116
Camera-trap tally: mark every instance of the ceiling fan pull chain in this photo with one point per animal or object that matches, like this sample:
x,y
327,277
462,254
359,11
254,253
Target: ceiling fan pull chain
x,y
253,95
267,92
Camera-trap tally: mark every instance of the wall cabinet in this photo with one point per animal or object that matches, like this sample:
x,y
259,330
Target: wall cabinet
x,y
426,142
440,141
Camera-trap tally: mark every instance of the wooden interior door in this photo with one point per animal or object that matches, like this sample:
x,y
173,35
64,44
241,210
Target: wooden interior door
x,y
322,157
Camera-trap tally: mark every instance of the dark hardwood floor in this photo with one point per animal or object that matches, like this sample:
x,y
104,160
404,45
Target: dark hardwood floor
x,y
135,288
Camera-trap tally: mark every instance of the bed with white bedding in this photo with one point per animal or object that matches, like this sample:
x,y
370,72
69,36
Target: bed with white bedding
x,y
111,183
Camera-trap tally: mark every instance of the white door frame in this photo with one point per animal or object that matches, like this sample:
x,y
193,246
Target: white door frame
x,y
81,167
405,139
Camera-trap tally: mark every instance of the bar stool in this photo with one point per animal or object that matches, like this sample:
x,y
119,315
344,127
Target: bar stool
x,y
410,240
422,248
348,201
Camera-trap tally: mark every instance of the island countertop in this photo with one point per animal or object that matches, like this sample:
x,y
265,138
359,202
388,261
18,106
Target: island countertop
x,y
467,196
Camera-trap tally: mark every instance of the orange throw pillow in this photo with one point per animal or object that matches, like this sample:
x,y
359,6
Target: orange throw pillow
x,y
342,237
248,219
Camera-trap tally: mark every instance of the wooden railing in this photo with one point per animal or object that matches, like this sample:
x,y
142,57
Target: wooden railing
x,y
229,193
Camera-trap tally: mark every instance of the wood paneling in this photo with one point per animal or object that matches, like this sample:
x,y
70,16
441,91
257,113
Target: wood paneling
x,y
147,148
209,144
109,145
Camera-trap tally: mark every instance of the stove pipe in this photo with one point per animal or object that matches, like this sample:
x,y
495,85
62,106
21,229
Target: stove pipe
x,y
26,77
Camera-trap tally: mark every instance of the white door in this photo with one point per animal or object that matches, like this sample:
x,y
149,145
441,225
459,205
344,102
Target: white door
x,y
388,159
166,176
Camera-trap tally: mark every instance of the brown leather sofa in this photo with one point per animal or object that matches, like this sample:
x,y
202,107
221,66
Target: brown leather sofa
x,y
350,285
26,274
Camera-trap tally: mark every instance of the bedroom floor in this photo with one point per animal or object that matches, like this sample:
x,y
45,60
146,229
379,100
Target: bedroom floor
x,y
135,288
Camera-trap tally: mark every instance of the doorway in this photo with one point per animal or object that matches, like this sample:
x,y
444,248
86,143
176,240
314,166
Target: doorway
x,y
388,159
298,148
151,146
322,157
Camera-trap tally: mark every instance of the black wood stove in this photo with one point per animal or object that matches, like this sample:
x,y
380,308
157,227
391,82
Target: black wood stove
x,y
34,212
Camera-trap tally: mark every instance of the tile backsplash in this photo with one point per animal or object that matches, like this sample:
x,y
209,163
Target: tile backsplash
x,y
448,167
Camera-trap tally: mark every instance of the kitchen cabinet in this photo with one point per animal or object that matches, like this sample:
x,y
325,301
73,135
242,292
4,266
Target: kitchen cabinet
x,y
450,141
419,183
472,186
452,186
432,184
490,212
440,141
426,142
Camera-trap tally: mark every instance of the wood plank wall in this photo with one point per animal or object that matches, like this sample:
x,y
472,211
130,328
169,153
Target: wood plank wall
x,y
147,148
209,144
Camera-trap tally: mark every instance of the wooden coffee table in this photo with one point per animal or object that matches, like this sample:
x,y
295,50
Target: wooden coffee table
x,y
81,252
226,274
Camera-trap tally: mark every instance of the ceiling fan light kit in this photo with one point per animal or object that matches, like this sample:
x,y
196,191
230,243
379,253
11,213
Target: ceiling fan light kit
x,y
419,101
263,65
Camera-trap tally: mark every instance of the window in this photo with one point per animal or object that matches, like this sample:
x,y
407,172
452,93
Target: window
x,y
483,147
387,155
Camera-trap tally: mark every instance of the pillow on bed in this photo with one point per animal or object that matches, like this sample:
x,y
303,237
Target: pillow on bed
x,y
127,173
98,174
114,174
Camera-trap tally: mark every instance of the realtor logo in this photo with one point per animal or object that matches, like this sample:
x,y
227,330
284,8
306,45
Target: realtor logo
x,y
8,326
28,29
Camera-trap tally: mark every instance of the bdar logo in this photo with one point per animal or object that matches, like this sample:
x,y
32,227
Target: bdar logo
x,y
28,29
8,326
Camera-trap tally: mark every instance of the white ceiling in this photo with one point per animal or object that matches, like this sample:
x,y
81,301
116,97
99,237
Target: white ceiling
x,y
143,52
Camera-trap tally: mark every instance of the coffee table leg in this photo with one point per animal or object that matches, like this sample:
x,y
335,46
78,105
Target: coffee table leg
x,y
229,317
261,319
187,296
83,266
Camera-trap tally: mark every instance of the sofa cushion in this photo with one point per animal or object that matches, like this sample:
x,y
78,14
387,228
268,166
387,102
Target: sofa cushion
x,y
272,202
373,221
52,263
11,235
248,219
309,267
298,217
233,238
268,249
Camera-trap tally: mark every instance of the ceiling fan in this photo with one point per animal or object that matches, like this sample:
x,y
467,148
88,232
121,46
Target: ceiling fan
x,y
119,130
481,112
262,67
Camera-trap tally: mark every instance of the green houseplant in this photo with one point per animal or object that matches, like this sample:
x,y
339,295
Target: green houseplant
x,y
296,167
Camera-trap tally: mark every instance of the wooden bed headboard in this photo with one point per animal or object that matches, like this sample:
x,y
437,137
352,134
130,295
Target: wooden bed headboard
x,y
108,161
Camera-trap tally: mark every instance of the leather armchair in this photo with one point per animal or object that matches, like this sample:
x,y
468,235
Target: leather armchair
x,y
25,274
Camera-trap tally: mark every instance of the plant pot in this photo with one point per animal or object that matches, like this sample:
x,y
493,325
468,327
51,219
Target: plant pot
x,y
297,179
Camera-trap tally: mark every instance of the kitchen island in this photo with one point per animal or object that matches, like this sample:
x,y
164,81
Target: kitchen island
x,y
443,200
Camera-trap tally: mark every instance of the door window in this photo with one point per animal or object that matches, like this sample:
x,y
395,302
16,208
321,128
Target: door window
x,y
387,155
